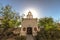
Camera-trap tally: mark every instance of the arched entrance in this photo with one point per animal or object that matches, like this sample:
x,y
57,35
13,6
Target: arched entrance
x,y
29,30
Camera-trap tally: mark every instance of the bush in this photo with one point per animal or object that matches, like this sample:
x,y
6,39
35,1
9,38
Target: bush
x,y
48,35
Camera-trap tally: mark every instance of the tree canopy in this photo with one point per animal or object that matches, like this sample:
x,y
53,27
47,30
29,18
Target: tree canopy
x,y
47,23
10,17
49,31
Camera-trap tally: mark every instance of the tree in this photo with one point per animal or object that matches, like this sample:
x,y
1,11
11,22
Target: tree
x,y
49,32
47,22
10,17
9,20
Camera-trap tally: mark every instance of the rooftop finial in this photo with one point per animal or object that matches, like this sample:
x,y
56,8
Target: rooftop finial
x,y
30,15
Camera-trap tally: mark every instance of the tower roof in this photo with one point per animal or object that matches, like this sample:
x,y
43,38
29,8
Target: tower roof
x,y
29,15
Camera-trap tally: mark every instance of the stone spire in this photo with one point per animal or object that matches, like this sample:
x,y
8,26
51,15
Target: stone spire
x,y
29,15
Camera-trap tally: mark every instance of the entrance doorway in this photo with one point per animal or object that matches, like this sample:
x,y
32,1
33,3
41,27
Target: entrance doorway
x,y
29,30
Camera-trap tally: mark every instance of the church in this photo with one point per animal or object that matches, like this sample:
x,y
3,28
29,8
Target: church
x,y
29,25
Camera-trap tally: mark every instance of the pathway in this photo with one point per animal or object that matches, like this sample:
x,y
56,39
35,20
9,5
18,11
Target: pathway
x,y
29,37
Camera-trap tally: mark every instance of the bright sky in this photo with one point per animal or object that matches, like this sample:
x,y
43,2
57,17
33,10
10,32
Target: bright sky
x,y
49,8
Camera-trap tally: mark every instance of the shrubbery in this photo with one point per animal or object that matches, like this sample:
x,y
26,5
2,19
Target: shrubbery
x,y
53,34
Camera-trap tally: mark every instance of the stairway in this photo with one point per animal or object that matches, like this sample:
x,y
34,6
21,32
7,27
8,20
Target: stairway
x,y
29,37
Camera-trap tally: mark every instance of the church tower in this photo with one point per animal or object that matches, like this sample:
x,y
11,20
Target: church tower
x,y
29,25
29,15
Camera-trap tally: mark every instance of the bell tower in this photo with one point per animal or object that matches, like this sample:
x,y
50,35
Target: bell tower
x,y
29,15
29,25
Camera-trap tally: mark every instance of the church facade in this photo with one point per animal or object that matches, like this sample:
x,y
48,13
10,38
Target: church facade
x,y
29,25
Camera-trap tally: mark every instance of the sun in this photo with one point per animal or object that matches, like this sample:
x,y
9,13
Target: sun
x,y
33,11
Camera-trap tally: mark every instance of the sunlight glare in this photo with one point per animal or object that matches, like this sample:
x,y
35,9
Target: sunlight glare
x,y
33,11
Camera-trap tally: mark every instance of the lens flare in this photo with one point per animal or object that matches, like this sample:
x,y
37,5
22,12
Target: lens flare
x,y
33,11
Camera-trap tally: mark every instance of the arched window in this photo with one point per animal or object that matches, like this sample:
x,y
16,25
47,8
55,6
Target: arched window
x,y
35,29
24,29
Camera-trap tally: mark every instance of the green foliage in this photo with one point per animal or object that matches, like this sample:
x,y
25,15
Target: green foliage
x,y
10,17
48,35
47,22
9,20
9,34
